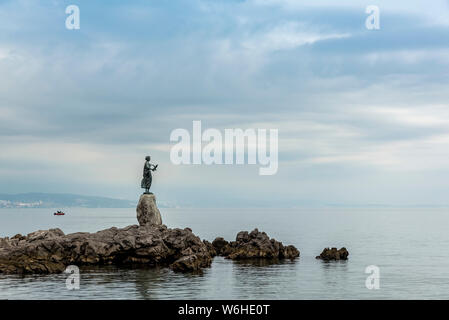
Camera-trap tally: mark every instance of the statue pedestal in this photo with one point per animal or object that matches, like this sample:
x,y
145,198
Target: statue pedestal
x,y
147,211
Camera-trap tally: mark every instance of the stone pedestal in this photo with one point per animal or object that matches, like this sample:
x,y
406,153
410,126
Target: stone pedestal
x,y
147,211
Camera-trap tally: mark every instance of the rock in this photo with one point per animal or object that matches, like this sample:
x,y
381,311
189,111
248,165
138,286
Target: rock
x,y
219,244
210,248
290,252
254,245
189,263
19,237
147,211
44,234
51,251
149,244
333,254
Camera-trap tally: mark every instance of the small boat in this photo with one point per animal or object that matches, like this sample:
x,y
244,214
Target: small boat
x,y
59,213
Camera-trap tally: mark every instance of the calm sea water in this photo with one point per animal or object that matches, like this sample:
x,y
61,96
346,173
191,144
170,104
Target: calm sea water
x,y
410,246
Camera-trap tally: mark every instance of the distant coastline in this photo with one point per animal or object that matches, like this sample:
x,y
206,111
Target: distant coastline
x,y
67,200
57,200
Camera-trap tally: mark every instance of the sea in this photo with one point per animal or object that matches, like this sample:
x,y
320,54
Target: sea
x,y
393,254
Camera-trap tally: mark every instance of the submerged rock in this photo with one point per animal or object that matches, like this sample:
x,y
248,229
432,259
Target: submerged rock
x,y
147,211
51,251
254,245
333,254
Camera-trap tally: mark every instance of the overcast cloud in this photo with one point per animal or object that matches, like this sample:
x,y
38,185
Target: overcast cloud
x,y
363,115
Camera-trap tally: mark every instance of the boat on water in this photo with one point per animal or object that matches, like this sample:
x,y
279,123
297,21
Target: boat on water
x,y
59,213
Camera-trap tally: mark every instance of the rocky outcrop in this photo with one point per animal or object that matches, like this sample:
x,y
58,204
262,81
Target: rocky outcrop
x,y
254,245
210,248
51,251
150,244
220,245
333,254
147,211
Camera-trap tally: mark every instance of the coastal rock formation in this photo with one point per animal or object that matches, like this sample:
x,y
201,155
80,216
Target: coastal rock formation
x,y
149,244
219,245
147,211
254,245
333,254
210,248
51,251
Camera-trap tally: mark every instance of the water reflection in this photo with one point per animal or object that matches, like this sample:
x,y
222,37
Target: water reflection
x,y
258,262
332,265
226,279
334,273
145,283
262,278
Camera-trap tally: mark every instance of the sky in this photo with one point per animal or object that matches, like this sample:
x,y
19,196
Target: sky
x,y
363,115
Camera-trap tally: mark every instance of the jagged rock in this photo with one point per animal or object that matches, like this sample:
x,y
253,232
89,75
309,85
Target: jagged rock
x,y
189,263
19,237
210,248
333,254
219,244
254,245
51,251
149,244
147,211
290,252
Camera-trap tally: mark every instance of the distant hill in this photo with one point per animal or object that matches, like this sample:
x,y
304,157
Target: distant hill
x,y
58,200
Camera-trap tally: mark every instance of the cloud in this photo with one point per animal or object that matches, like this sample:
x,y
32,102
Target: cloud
x,y
430,117
288,35
79,110
438,13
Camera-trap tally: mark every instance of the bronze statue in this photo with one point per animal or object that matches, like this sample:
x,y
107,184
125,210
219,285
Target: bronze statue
x,y
147,177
